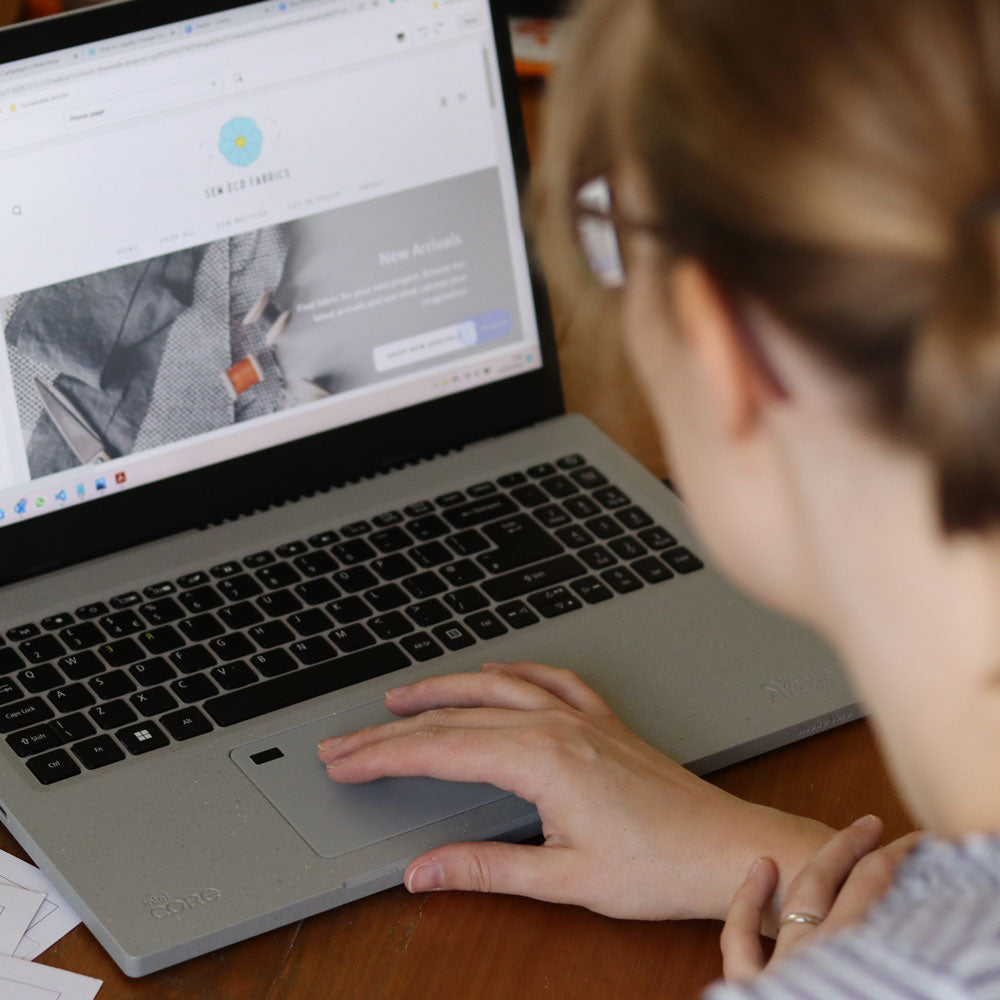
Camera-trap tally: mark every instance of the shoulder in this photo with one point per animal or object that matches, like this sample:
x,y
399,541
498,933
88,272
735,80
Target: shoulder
x,y
935,935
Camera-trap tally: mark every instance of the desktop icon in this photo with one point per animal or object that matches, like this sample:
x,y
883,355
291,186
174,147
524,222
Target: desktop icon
x,y
39,501
81,490
120,478
21,506
61,496
101,484
3,514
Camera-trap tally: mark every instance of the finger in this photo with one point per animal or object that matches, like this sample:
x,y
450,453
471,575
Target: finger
x,y
519,870
481,688
564,684
742,954
814,890
868,882
498,757
337,747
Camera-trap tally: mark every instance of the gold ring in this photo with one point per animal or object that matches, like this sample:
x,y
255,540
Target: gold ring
x,y
800,918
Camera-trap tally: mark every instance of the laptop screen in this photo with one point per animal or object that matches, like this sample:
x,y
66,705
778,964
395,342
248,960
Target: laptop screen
x,y
232,232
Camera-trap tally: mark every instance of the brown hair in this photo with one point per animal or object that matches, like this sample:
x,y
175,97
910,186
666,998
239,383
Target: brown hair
x,y
837,161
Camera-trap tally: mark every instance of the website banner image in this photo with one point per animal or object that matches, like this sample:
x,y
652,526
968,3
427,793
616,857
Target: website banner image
x,y
167,349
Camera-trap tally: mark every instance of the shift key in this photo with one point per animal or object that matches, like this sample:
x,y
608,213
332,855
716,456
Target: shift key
x,y
537,577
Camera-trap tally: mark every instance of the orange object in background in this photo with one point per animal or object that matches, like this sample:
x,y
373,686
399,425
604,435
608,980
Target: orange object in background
x,y
42,8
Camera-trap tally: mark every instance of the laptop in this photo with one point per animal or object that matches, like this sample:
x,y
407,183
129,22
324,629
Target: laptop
x,y
282,428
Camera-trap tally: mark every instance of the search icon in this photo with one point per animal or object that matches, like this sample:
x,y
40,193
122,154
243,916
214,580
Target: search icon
x,y
16,210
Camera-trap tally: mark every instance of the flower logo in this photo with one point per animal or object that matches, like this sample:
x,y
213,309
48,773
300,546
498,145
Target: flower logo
x,y
240,141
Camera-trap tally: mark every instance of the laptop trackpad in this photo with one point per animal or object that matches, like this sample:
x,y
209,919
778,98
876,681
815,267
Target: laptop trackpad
x,y
336,819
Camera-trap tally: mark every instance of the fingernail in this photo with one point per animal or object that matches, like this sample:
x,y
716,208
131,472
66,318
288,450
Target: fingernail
x,y
865,820
426,878
494,665
396,692
331,744
755,868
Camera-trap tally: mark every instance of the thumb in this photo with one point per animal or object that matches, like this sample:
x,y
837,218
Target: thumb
x,y
514,869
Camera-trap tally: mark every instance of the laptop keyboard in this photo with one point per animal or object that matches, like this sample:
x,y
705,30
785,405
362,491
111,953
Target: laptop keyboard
x,y
134,673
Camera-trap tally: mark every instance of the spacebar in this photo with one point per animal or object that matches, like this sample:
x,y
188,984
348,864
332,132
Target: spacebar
x,y
311,682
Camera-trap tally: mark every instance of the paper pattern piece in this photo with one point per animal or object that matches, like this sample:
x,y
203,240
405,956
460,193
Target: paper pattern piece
x,y
21,980
18,907
54,917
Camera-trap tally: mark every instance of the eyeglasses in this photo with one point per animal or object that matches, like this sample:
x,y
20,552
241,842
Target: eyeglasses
x,y
599,224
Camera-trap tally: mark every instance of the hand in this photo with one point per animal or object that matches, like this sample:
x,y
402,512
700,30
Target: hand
x,y
628,832
839,886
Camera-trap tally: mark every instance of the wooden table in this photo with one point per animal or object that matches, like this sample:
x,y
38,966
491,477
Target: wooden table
x,y
455,946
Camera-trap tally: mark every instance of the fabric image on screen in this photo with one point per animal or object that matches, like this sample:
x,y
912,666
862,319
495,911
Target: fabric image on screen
x,y
187,343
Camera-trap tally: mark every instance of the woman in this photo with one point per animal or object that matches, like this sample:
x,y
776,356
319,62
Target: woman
x,y
806,195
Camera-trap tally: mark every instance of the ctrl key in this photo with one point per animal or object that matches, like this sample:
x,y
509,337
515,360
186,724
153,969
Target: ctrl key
x,y
52,767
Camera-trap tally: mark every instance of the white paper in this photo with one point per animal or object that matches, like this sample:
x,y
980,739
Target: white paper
x,y
54,917
20,980
18,907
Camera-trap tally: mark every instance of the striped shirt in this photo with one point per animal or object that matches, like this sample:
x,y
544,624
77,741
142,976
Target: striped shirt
x,y
935,934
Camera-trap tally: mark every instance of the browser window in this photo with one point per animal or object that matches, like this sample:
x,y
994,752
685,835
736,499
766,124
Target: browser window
x,y
226,234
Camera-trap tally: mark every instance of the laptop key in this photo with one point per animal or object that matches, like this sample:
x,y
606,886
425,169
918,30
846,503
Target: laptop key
x,y
559,487
552,516
589,478
523,535
37,739
482,489
259,559
597,557
582,507
634,518
571,462
512,479
554,601
279,604
469,515
236,616
79,666
153,701
186,724
356,529
113,715
542,470
155,671
387,598
391,539
230,676
307,623
353,580
97,752
290,549
46,647
73,727
466,600
462,573
682,560
454,636
605,527
81,636
348,610
351,638
197,687
419,509
450,499
393,567
575,537
161,612
192,659
386,520
428,613
161,640
70,698
430,554
34,680
313,650
622,579
468,543
324,539
355,551
191,580
225,569
651,570
425,529
314,592
530,495
239,588
200,628
142,737
592,590
112,684
122,623
271,634
23,632
657,538
486,625
54,622
311,682
314,564
278,575
627,548
234,646
421,647
122,652
611,498
390,626
9,691
425,585
273,662
524,581
24,713
127,600
159,590
10,660
52,767
94,610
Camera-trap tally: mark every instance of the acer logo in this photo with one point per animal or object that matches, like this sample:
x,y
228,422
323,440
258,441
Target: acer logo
x,y
161,905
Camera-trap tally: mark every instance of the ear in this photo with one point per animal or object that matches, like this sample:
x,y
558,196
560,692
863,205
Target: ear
x,y
707,322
